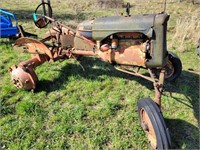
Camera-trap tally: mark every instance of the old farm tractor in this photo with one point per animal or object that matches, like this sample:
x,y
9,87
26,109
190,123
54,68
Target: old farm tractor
x,y
129,43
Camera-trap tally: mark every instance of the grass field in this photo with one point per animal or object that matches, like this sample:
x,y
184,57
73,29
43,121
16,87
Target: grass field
x,y
97,108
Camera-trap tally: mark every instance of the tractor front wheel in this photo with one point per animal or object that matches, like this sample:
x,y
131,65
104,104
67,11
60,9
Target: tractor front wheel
x,y
173,68
153,124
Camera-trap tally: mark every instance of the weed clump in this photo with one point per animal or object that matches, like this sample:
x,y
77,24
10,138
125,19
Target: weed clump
x,y
187,32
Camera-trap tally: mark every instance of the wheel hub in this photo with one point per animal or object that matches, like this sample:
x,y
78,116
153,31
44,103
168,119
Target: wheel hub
x,y
23,77
169,69
145,127
148,128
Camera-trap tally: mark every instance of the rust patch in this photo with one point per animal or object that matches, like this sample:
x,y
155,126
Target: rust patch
x,y
34,46
132,55
148,128
126,55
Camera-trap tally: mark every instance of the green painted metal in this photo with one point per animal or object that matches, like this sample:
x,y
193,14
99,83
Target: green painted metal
x,y
105,26
159,41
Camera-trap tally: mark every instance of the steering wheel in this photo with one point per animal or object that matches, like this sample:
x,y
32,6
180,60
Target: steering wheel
x,y
42,10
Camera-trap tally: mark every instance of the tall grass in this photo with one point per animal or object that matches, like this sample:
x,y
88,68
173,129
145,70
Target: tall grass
x,y
187,31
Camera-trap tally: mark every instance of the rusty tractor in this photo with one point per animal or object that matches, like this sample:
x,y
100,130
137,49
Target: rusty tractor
x,y
129,43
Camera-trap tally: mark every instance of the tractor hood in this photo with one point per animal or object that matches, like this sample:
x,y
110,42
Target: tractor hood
x,y
102,27
106,26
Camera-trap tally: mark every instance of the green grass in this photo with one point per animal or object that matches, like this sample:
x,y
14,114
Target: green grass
x,y
95,108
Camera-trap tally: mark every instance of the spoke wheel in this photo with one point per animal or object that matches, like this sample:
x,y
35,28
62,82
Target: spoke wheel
x,y
153,124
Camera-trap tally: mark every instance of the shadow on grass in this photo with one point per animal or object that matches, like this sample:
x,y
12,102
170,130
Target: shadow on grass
x,y
180,132
75,69
187,85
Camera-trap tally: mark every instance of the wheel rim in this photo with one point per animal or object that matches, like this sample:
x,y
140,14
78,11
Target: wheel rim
x,y
148,128
169,69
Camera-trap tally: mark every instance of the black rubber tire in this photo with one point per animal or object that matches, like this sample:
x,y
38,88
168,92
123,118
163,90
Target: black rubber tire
x,y
176,62
163,139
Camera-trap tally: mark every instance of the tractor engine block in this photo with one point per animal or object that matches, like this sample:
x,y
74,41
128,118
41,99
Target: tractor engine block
x,y
124,49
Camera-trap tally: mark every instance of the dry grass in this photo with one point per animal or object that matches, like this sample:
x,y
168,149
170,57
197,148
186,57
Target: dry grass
x,y
109,3
187,31
184,23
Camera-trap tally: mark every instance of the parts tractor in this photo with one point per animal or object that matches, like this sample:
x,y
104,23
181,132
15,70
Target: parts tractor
x,y
130,43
